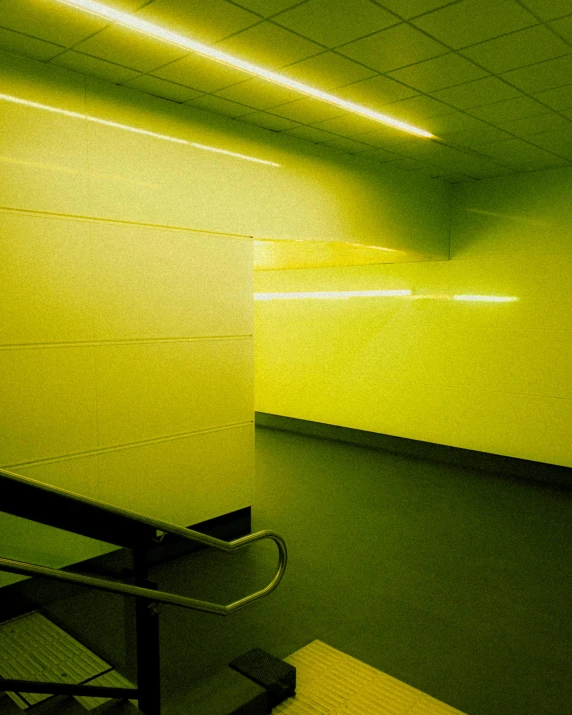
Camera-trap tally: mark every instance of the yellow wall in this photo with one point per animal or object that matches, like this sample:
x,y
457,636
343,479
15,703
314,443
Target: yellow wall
x,y
125,340
488,376
125,349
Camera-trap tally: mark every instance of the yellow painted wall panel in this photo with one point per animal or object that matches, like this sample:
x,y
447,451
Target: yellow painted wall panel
x,y
48,403
154,283
43,155
197,477
450,363
150,390
45,273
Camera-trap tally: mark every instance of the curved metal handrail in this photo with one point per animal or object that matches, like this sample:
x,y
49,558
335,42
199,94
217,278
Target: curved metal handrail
x,y
24,568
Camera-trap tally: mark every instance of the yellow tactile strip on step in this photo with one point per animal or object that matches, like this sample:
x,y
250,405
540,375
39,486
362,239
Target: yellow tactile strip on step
x,y
329,682
34,648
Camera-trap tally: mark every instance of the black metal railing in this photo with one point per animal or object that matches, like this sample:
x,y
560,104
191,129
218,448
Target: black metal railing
x,y
82,515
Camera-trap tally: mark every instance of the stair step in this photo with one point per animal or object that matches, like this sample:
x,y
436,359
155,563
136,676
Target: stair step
x,y
34,648
276,676
226,692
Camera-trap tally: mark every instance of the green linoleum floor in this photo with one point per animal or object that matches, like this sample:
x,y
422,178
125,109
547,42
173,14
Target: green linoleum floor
x,y
453,581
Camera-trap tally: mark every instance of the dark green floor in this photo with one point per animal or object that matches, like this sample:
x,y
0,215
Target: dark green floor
x,y
454,581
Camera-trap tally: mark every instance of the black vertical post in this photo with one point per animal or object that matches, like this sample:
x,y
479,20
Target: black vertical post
x,y
147,632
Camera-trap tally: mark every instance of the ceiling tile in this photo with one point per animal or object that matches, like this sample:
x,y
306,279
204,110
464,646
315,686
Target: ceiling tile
x,y
416,109
201,73
477,93
162,88
393,48
475,139
550,121
518,49
563,27
375,92
411,8
407,164
269,121
385,138
12,41
84,64
203,21
218,105
559,142
311,134
349,145
269,46
500,112
327,71
130,49
267,8
53,22
308,111
517,150
454,122
438,73
471,21
333,22
349,125
544,75
558,99
379,155
258,93
548,9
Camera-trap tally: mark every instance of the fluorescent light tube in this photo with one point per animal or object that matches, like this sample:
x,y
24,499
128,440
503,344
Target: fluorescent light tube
x,y
149,28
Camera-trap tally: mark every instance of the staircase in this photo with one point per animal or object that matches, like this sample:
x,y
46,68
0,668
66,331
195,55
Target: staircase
x,y
34,648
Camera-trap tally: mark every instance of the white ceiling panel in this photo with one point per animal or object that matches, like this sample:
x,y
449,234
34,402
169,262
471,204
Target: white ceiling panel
x,y
393,48
270,46
335,22
130,49
327,71
94,67
267,8
50,21
204,21
470,21
548,9
201,73
375,92
29,46
518,49
541,76
439,73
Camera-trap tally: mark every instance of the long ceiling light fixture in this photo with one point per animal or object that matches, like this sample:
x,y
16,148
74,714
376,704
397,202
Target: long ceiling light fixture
x,y
128,128
160,33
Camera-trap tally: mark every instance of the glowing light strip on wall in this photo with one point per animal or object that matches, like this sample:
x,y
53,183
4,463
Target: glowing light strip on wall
x,y
335,295
232,153
486,298
338,295
160,33
126,127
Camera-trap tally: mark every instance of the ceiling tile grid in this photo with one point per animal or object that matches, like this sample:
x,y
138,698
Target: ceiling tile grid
x,y
492,80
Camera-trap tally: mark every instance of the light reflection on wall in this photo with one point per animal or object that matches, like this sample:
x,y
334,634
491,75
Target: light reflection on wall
x,y
135,130
341,295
